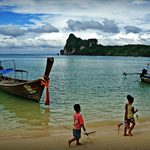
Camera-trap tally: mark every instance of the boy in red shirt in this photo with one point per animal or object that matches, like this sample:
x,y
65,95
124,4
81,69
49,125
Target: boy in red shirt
x,y
78,124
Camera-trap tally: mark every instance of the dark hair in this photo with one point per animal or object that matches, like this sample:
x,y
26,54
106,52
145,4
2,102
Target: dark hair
x,y
130,98
76,107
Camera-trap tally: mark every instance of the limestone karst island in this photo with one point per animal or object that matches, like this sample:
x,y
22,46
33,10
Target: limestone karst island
x,y
77,46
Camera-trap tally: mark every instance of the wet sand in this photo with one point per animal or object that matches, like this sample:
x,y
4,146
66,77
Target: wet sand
x,y
107,137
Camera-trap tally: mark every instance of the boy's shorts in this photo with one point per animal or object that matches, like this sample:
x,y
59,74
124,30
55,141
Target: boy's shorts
x,y
130,120
77,133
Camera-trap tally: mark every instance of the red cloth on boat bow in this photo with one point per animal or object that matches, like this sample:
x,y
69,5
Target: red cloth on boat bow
x,y
45,81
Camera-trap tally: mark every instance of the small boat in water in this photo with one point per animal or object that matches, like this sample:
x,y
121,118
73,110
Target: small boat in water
x,y
24,88
144,76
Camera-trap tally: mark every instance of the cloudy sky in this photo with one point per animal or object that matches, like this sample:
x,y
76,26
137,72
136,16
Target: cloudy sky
x,y
43,26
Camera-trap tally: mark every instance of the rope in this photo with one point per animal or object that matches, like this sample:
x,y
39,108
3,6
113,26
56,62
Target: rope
x,y
62,124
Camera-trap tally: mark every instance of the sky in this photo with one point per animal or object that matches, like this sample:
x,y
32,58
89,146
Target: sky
x,y
43,26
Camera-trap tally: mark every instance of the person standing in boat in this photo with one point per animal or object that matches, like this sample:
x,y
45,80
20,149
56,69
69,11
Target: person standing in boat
x,y
1,68
129,118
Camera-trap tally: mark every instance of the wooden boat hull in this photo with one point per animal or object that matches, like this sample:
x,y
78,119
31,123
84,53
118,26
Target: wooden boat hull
x,y
30,89
144,79
24,88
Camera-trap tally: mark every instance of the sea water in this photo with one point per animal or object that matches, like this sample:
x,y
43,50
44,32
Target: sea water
x,y
95,82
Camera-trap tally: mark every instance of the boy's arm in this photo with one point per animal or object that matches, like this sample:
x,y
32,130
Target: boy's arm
x,y
83,127
133,111
82,122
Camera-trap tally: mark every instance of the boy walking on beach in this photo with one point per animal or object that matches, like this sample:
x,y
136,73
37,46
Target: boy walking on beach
x,y
78,124
129,112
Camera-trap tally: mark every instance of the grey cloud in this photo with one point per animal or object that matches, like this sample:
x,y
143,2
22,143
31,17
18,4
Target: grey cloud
x,y
48,28
110,26
11,30
140,2
78,25
14,31
146,18
132,29
107,26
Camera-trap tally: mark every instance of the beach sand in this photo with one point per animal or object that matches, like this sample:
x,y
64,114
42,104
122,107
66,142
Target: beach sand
x,y
107,137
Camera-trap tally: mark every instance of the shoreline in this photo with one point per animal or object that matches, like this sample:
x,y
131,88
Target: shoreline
x,y
106,137
47,130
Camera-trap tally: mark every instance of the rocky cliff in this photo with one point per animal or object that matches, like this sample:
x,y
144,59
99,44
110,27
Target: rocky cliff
x,y
77,46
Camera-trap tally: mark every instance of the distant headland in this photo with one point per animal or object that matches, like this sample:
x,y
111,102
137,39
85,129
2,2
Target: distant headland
x,y
77,46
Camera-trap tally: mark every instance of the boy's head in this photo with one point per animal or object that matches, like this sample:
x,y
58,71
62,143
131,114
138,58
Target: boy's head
x,y
77,107
130,98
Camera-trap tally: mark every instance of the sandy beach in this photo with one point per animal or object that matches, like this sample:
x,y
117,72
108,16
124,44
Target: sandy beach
x,y
106,138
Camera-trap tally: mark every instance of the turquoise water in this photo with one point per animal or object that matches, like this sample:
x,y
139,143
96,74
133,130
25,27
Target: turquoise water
x,y
95,82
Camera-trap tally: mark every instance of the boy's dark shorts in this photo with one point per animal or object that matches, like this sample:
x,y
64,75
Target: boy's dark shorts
x,y
130,120
77,133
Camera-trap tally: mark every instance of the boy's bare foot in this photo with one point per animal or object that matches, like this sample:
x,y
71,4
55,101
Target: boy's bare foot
x,y
130,134
125,135
79,144
118,126
69,143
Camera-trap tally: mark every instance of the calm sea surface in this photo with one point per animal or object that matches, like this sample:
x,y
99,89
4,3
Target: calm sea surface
x,y
95,82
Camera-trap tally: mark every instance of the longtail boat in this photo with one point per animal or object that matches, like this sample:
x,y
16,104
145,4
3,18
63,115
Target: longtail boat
x,y
24,88
144,76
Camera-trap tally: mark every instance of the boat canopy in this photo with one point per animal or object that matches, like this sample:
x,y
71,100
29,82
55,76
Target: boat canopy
x,y
6,70
16,71
9,70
